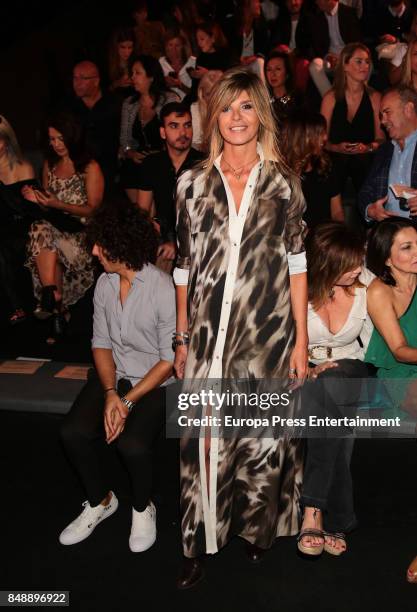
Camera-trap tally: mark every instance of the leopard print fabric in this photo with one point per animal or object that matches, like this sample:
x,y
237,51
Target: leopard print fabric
x,y
77,261
257,479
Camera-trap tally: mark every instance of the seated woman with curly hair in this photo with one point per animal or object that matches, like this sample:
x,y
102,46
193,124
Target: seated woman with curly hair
x,y
134,320
73,186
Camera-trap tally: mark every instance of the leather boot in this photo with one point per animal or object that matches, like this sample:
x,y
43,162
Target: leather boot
x,y
192,571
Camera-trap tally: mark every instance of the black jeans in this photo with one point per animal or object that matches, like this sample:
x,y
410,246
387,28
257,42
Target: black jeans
x,y
83,436
327,482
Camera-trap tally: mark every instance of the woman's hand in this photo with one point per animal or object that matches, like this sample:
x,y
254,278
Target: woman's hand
x,y
388,39
245,61
29,193
198,72
298,365
47,199
135,156
181,353
172,82
44,198
313,373
167,250
331,59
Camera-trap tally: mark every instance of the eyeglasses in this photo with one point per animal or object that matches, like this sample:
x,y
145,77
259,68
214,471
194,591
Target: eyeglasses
x,y
77,77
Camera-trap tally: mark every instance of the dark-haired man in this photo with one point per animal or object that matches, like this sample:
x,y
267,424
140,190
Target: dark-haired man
x,y
159,173
134,321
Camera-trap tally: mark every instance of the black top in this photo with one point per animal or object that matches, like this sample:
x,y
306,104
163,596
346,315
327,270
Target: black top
x,y
218,60
102,127
153,168
360,129
318,192
285,106
148,136
15,211
387,23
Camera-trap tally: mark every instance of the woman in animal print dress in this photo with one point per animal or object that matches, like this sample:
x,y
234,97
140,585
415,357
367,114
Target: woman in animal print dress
x,y
241,314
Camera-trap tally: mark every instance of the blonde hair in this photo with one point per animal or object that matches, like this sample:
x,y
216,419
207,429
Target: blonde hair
x,y
339,83
226,90
13,151
406,74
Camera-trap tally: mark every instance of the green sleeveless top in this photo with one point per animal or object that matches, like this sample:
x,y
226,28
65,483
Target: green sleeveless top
x,y
381,357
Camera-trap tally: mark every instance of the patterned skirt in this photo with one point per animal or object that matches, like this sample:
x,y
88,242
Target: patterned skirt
x,y
75,259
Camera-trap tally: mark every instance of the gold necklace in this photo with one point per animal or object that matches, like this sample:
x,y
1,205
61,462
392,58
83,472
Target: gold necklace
x,y
237,172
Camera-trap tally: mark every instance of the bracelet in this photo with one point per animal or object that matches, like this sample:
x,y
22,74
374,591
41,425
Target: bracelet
x,y
181,334
109,389
128,403
183,342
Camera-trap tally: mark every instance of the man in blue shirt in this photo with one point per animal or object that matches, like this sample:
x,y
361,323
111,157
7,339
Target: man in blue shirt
x,y
395,162
134,322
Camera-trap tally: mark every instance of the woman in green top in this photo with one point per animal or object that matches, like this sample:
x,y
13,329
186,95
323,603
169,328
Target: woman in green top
x,y
392,305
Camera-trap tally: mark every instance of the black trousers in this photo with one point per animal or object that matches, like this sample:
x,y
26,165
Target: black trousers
x,y
355,167
83,436
327,482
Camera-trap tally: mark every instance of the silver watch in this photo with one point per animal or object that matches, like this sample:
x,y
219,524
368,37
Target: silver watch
x,y
128,403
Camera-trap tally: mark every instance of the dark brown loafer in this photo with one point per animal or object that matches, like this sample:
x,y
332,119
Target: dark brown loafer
x,y
192,571
254,553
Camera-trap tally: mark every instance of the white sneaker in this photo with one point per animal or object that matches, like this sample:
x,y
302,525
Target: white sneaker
x,y
90,517
143,532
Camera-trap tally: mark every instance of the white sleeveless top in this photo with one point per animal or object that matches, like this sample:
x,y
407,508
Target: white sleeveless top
x,y
325,346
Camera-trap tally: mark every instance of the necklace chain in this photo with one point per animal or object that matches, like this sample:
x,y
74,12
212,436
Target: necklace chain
x,y
237,172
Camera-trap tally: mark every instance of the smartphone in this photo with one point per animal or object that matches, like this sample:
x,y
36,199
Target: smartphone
x,y
38,187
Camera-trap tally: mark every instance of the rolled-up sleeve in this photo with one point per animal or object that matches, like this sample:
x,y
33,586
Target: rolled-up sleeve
x,y
295,227
297,264
183,231
166,318
101,335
